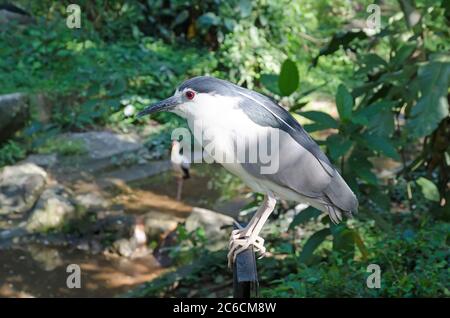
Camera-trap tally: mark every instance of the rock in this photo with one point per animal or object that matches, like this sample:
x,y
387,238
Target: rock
x,y
115,225
12,233
46,257
135,173
20,187
213,223
14,111
105,144
156,224
42,160
124,247
43,105
91,201
53,209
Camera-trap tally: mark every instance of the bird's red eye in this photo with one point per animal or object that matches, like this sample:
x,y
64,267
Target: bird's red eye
x,y
190,94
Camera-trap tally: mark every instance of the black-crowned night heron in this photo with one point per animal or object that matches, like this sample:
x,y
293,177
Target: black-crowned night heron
x,y
223,114
180,165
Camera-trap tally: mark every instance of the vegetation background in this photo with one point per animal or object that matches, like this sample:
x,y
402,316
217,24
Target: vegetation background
x,y
386,125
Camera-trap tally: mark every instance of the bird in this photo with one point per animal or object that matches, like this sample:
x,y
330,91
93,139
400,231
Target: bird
x,y
180,165
139,232
221,113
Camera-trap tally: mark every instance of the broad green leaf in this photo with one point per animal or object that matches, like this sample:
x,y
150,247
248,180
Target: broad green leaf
x,y
321,118
362,168
371,63
380,144
373,60
270,81
312,244
344,103
181,18
382,124
304,216
289,78
367,176
114,103
364,89
344,242
298,106
337,146
402,54
229,24
360,244
118,86
89,105
245,8
429,189
379,197
432,106
364,116
314,127
340,39
379,220
208,19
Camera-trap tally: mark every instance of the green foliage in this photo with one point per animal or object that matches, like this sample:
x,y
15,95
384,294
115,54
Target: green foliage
x,y
88,80
413,264
429,189
321,121
288,79
406,272
344,103
190,245
304,216
372,113
432,107
10,152
312,244
369,124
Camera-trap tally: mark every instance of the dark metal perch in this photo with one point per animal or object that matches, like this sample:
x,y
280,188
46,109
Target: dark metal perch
x,y
245,275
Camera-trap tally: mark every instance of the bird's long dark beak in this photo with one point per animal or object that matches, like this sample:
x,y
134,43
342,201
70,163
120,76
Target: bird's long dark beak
x,y
164,105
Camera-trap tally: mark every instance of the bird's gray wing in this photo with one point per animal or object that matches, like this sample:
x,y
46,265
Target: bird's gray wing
x,y
266,112
295,168
303,167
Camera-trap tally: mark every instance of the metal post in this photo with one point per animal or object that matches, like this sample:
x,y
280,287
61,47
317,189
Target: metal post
x,y
245,275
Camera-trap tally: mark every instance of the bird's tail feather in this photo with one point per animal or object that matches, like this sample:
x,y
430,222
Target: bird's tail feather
x,y
341,196
334,213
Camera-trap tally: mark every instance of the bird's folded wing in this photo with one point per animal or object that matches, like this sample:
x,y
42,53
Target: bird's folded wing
x,y
266,112
303,167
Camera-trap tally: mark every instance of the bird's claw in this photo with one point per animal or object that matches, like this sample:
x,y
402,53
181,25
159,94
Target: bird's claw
x,y
239,242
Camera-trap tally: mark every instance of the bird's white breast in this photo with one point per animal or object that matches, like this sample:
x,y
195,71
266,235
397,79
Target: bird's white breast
x,y
216,123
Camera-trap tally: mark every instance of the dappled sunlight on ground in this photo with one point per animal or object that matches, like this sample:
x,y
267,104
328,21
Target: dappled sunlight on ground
x,y
24,274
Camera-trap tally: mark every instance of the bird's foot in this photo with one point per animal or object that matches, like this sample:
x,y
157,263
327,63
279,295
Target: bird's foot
x,y
240,241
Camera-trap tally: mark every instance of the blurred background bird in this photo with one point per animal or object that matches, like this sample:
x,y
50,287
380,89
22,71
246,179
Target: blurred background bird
x,y
180,165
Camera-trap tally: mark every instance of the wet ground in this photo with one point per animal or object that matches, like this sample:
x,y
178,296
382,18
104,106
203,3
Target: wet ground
x,y
199,190
41,271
